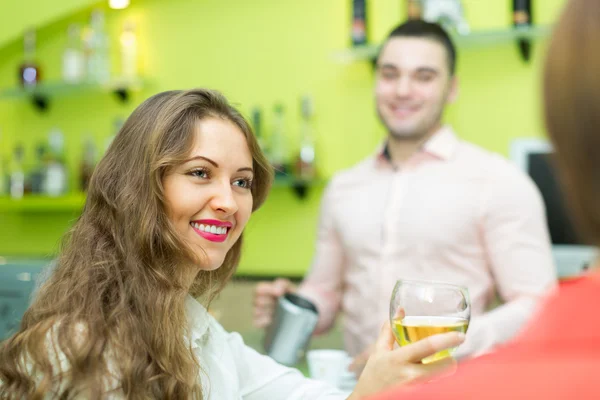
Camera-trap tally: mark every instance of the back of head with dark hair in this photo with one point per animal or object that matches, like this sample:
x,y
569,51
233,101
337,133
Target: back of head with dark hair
x,y
427,30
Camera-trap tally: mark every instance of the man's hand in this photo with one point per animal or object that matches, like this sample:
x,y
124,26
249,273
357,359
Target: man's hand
x,y
265,299
360,361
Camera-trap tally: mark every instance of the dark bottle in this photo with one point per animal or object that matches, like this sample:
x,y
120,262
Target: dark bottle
x,y
359,22
522,13
523,18
30,73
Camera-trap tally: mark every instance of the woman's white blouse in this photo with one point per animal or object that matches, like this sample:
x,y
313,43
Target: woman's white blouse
x,y
234,371
230,370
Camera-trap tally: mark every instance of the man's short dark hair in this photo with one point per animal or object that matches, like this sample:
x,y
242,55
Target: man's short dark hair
x,y
427,30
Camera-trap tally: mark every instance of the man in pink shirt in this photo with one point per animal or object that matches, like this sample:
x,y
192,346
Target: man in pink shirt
x,y
427,205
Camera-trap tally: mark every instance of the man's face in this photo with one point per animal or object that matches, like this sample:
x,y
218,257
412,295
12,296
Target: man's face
x,y
413,84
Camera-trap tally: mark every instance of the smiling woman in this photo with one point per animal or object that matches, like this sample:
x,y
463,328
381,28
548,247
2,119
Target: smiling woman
x,y
162,225
208,196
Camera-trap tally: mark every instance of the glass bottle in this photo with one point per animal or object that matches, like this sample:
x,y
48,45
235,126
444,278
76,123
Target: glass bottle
x,y
129,51
30,73
73,67
305,161
117,125
522,19
88,163
37,176
359,22
256,117
278,142
56,172
17,174
414,9
98,63
3,175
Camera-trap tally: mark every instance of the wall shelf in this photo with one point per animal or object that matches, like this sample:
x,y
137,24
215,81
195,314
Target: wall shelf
x,y
41,94
74,202
35,203
472,40
299,186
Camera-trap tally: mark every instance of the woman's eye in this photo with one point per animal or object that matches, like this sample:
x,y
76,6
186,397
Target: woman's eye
x,y
200,173
243,183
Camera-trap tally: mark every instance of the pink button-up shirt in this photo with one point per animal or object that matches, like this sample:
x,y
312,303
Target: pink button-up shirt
x,y
453,212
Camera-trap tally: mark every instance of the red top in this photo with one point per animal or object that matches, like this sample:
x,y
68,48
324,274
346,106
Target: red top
x,y
556,357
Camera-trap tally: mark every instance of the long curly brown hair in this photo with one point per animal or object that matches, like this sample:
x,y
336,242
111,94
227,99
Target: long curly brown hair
x,y
117,292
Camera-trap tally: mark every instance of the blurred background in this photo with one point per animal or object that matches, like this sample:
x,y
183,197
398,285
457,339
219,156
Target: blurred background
x,y
71,71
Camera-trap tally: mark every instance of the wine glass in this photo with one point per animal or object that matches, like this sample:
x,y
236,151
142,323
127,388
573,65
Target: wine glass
x,y
419,309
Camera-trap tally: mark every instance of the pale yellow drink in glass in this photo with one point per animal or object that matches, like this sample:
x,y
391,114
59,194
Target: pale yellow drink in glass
x,y
414,328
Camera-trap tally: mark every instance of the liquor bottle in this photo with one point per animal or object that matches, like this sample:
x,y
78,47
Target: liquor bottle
x,y
17,174
55,183
3,176
305,160
359,22
414,9
37,176
3,179
73,67
257,127
129,51
522,19
278,142
98,63
88,163
30,73
117,125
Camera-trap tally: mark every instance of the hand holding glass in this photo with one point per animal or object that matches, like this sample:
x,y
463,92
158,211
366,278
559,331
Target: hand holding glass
x,y
419,309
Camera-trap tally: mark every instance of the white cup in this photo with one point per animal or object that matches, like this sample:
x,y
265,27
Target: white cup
x,y
331,366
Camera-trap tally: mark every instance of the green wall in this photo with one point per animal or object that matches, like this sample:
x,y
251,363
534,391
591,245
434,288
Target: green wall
x,y
259,53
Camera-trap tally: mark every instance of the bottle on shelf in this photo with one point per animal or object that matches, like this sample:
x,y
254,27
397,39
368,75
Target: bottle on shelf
x,y
359,22
3,177
257,126
97,49
523,18
17,174
73,62
117,125
129,51
30,73
305,160
414,9
88,163
277,145
37,177
56,171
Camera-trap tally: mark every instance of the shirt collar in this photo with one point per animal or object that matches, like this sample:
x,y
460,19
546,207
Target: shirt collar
x,y
441,145
198,320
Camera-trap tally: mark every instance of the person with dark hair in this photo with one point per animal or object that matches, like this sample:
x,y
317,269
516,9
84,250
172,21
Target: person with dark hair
x,y
557,356
161,227
426,206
